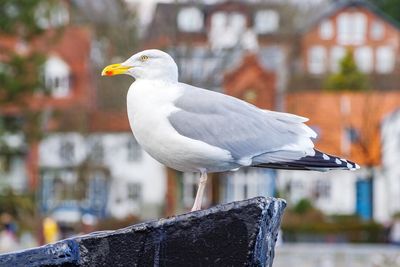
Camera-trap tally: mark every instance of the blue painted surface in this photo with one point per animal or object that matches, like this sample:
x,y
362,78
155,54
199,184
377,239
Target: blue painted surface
x,y
66,251
364,200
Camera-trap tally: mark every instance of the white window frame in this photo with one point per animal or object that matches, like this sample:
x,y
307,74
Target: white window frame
x,y
134,186
57,77
337,53
190,19
227,29
323,188
360,28
133,150
343,29
317,59
364,58
385,59
351,28
266,21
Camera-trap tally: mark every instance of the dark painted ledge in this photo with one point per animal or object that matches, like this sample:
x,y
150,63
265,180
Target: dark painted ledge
x,y
235,234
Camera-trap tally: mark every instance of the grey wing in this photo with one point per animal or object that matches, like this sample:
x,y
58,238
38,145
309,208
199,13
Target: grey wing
x,y
234,125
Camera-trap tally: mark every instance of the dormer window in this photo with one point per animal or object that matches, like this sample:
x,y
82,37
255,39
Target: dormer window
x,y
266,21
190,19
51,16
56,77
226,29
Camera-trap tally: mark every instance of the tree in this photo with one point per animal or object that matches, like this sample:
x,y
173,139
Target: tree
x,y
390,7
112,45
348,78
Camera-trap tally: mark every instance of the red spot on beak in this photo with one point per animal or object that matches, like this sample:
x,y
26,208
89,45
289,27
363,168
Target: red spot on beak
x,y
109,73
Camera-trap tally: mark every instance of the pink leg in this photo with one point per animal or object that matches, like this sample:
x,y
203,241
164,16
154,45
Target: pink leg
x,y
200,192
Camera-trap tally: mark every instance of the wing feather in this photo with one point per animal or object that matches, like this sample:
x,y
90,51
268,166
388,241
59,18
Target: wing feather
x,y
237,126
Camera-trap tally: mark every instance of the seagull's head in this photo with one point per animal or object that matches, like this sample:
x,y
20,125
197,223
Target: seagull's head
x,y
150,64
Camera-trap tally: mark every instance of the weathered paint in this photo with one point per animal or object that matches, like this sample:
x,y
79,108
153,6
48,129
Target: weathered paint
x,y
235,234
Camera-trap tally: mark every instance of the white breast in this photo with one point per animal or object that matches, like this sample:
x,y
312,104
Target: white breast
x,y
149,104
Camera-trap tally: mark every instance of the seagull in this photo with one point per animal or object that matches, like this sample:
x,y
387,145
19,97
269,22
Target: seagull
x,y
192,129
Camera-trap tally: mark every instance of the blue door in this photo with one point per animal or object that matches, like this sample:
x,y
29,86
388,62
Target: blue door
x,y
364,204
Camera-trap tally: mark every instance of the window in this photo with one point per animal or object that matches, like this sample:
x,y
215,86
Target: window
x,y
385,59
317,60
326,30
337,54
266,21
344,33
134,151
56,77
322,189
67,151
351,28
249,182
219,20
377,30
97,151
226,29
190,19
135,191
360,27
352,134
363,57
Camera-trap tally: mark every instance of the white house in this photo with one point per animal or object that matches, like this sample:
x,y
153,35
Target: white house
x,y
120,178
390,181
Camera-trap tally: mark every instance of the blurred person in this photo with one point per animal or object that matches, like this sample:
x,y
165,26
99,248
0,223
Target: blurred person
x,y
51,231
8,238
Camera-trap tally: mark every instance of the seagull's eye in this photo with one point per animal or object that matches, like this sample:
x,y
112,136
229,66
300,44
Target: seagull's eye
x,y
144,58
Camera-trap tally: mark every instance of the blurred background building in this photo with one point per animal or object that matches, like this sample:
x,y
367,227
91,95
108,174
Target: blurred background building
x,y
67,151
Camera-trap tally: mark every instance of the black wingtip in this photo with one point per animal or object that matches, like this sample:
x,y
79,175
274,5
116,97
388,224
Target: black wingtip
x,y
317,162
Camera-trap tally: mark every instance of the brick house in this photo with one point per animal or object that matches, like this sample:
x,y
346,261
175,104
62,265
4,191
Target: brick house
x,y
66,80
350,25
348,125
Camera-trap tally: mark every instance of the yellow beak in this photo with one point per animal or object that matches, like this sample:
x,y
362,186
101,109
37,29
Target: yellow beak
x,y
114,69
